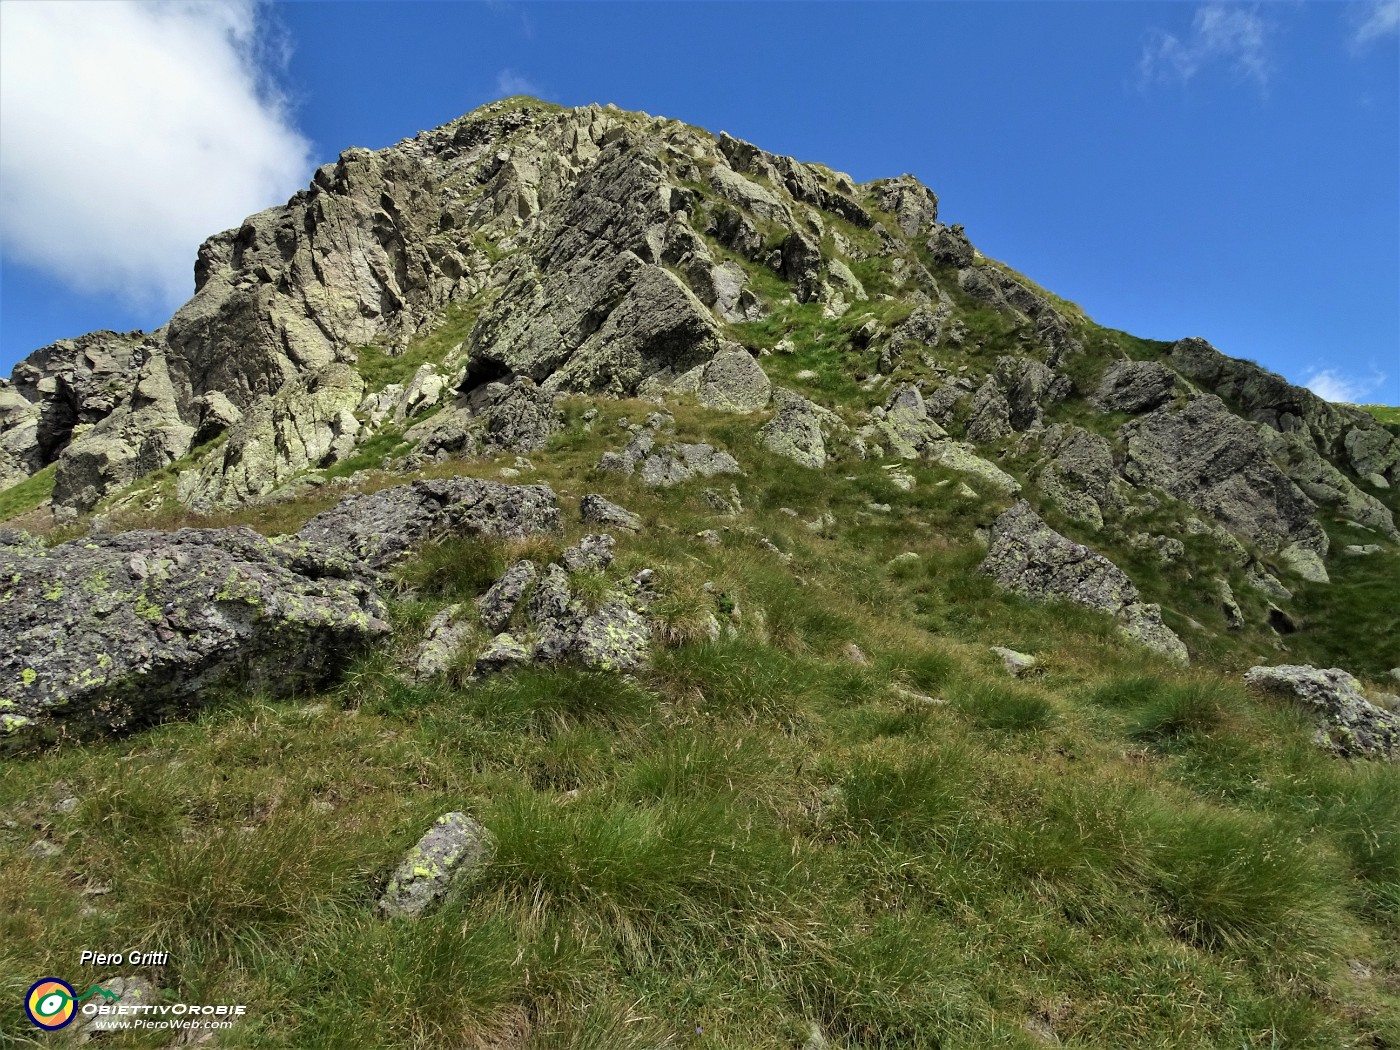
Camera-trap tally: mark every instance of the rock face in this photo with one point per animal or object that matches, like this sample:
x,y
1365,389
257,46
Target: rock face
x,y
1079,477
1349,725
383,526
796,431
116,632
1031,559
1135,386
454,847
1217,463
1341,432
673,464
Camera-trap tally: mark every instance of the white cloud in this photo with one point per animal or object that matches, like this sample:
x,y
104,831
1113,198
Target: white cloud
x,y
1377,19
1331,385
131,131
1228,34
509,82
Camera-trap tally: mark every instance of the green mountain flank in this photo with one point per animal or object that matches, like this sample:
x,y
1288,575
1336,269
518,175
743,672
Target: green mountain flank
x,y
570,579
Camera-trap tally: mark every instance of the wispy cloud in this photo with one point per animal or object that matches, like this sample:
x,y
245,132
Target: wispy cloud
x,y
1374,21
1331,385
509,82
129,132
1231,35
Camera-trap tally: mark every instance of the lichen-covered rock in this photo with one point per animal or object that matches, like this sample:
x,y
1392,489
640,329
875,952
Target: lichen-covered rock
x,y
519,416
1029,558
914,205
112,633
614,638
309,423
990,415
503,651
733,382
1029,387
676,463
906,427
590,553
950,247
443,434
595,510
1018,665
443,639
1349,725
383,526
456,846
498,604
555,614
1229,607
796,430
1296,456
1264,397
962,457
1079,477
1216,462
1135,386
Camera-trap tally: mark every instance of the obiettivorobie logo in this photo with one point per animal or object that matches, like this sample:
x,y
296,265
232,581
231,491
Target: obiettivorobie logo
x,y
52,1004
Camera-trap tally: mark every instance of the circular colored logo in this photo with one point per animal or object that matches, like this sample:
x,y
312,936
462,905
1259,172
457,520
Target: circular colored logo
x,y
50,1003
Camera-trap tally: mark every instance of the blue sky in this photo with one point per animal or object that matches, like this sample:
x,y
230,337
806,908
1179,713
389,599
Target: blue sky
x,y
1223,170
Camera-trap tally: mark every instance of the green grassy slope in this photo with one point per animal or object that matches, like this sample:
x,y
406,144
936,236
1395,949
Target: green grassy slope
x,y
752,836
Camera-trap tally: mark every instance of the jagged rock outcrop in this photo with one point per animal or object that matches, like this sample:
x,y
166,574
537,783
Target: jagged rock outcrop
x,y
556,625
1135,386
990,416
1031,559
1297,456
1341,432
914,205
519,416
310,422
111,633
1030,388
1349,725
1079,476
1216,462
905,428
798,430
63,388
381,527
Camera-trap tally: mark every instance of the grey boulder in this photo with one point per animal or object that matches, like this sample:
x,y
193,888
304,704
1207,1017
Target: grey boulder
x,y
383,526
455,846
595,510
111,633
1029,558
1349,725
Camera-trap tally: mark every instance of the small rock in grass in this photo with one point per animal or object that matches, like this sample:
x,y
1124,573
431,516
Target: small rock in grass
x,y
455,845
1018,665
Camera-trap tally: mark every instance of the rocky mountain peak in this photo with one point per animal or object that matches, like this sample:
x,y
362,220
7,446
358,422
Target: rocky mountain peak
x,y
440,296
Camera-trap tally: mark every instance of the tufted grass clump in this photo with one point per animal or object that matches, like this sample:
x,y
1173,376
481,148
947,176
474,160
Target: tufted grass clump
x,y
455,567
739,677
545,700
910,802
1242,882
1184,709
1005,706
